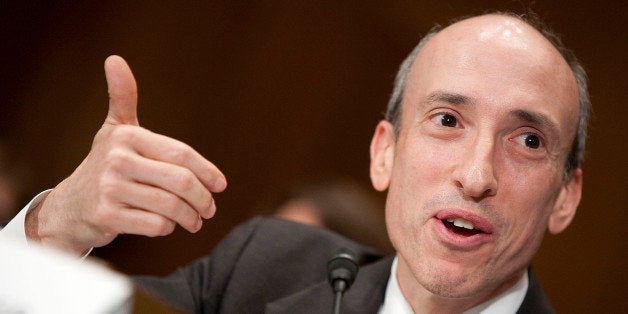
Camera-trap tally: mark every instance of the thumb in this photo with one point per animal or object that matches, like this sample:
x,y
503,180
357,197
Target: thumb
x,y
122,92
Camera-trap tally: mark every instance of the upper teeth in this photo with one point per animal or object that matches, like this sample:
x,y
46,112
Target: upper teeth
x,y
459,222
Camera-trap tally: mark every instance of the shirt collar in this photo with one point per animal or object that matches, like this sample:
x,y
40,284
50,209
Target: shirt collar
x,y
507,302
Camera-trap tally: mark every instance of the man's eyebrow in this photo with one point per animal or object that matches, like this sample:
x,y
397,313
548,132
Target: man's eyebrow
x,y
447,97
536,119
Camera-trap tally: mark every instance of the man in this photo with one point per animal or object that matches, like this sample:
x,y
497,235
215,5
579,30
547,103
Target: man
x,y
480,154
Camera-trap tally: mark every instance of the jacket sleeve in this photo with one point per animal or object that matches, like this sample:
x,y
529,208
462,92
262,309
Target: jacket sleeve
x,y
198,287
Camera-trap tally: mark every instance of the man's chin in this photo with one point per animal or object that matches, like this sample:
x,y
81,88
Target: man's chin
x,y
449,290
452,282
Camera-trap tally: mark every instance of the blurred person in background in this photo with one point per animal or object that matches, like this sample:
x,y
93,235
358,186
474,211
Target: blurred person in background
x,y
339,204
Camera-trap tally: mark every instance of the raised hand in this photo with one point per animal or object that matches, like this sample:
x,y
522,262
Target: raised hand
x,y
132,181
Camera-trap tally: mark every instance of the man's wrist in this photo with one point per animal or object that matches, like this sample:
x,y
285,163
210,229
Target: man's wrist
x,y
42,225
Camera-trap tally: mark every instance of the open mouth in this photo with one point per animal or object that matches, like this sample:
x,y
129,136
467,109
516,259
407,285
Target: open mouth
x,y
460,229
461,226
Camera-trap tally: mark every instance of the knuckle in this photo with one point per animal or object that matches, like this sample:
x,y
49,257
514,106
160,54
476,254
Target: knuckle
x,y
123,134
171,205
178,211
180,154
159,226
185,181
116,159
109,189
103,214
119,135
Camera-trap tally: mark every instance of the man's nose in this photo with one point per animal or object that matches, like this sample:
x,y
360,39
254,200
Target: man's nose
x,y
474,174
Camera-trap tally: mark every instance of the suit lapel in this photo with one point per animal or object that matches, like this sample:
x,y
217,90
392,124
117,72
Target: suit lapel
x,y
535,300
365,295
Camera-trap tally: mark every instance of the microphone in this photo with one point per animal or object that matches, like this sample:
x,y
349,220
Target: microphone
x,y
341,272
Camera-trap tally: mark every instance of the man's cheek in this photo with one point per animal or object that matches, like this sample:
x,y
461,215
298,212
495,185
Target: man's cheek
x,y
433,161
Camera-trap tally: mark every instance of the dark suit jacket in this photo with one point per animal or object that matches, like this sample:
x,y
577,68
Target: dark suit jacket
x,y
280,267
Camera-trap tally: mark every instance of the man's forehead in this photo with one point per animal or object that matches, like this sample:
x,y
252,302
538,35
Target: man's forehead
x,y
504,44
497,32
495,56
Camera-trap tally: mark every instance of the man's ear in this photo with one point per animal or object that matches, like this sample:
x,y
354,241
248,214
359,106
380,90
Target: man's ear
x,y
566,203
382,155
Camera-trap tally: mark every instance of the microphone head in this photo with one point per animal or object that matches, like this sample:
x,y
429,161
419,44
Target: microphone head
x,y
342,266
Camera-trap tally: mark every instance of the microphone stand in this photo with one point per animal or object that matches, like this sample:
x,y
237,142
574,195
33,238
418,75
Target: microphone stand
x,y
339,293
341,272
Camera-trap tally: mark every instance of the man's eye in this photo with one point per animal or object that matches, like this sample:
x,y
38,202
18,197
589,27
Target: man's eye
x,y
529,140
445,119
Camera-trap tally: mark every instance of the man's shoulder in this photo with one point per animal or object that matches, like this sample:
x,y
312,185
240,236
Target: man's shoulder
x,y
279,239
266,259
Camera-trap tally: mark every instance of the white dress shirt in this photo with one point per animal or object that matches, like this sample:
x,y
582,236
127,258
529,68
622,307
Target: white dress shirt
x,y
15,229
